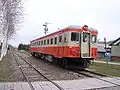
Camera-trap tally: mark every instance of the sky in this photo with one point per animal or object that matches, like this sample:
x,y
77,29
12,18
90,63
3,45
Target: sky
x,y
103,15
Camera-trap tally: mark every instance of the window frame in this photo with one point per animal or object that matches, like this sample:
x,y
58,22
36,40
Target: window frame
x,y
75,39
95,39
44,42
48,41
55,40
60,38
51,41
39,42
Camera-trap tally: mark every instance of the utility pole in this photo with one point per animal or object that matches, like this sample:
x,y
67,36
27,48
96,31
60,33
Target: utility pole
x,y
45,27
105,43
106,51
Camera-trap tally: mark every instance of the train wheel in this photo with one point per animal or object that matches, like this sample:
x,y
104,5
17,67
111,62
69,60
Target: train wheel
x,y
62,63
33,54
36,55
42,56
39,55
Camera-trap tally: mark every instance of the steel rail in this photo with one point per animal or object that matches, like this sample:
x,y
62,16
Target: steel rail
x,y
95,73
95,77
59,87
30,84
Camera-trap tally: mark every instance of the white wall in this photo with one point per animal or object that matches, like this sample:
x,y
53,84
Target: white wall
x,y
115,50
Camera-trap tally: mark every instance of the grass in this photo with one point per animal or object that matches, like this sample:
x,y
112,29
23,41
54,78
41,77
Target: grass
x,y
103,68
115,61
5,71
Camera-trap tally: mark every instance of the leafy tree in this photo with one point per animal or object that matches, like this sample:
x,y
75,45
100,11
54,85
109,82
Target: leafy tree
x,y
23,47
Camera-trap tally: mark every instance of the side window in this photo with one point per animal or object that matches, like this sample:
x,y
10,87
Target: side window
x,y
47,41
65,39
41,42
44,42
55,40
93,38
74,36
51,41
60,38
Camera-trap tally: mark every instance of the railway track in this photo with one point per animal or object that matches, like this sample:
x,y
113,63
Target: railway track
x,y
31,66
86,73
92,74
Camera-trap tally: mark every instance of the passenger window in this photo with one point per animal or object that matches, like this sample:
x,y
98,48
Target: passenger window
x,y
65,39
74,36
52,41
48,41
60,38
44,42
93,38
55,40
41,42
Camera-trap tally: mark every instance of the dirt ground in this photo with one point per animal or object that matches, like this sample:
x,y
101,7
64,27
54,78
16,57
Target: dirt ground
x,y
5,69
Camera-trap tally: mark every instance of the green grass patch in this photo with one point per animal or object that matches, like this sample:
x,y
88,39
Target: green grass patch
x,y
115,61
103,68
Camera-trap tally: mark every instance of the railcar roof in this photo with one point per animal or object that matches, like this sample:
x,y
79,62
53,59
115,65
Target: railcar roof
x,y
78,27
70,27
74,26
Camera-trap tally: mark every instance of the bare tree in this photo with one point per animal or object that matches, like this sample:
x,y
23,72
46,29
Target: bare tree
x,y
10,17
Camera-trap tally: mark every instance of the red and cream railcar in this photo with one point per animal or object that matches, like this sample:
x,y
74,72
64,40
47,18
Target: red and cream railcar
x,y
72,45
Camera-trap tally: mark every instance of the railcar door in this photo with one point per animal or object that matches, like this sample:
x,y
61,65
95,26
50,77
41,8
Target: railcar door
x,y
85,45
